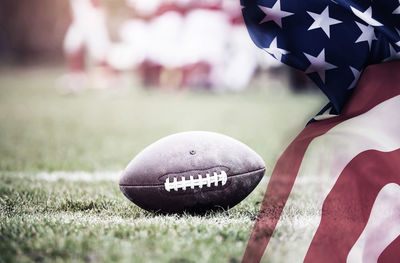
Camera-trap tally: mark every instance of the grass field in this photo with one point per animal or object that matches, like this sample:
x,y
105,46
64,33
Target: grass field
x,y
60,158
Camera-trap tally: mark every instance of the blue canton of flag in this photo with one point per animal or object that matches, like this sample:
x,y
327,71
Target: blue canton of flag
x,y
331,41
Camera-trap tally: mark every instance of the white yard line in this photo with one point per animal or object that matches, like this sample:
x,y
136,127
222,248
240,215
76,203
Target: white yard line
x,y
79,176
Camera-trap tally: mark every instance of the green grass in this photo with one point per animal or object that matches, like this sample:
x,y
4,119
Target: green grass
x,y
82,221
79,221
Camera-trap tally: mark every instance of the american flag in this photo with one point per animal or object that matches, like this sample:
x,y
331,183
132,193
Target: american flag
x,y
355,158
352,149
332,41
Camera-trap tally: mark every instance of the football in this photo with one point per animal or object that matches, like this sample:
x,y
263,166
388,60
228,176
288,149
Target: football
x,y
192,172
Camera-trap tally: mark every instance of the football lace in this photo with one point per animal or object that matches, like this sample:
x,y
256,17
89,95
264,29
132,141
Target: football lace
x,y
200,181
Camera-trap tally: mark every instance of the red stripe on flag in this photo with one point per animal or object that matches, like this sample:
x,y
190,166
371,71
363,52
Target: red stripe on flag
x,y
378,83
277,193
391,253
347,208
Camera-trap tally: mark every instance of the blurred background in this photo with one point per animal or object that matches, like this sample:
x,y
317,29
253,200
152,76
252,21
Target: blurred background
x,y
166,43
86,84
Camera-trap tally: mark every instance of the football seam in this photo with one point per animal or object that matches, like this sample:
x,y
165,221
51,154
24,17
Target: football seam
x,y
195,170
161,184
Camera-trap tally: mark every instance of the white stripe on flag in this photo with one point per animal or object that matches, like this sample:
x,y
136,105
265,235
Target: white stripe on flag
x,y
325,158
382,228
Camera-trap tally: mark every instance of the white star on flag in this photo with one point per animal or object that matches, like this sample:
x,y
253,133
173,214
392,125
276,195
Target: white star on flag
x,y
319,65
323,21
367,34
393,54
397,10
274,50
274,14
356,75
366,16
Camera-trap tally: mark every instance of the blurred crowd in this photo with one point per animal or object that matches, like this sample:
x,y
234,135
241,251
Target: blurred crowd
x,y
168,43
